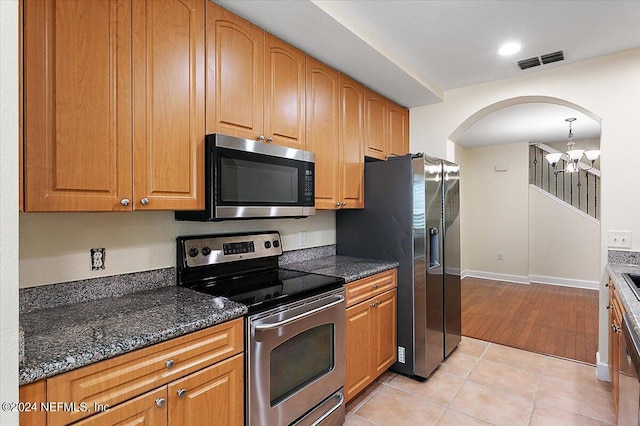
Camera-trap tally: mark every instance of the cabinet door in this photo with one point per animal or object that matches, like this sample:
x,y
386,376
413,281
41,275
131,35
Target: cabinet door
x,y
351,143
235,75
168,98
322,131
213,396
398,130
148,409
77,105
33,393
375,122
284,105
384,329
359,349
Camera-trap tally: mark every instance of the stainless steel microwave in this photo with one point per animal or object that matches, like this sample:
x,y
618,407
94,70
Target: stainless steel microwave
x,y
246,179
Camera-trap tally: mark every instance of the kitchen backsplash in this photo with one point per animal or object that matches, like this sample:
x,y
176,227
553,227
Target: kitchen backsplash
x,y
49,296
52,295
624,257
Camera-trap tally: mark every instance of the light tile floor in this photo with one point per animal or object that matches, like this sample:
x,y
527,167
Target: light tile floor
x,y
485,383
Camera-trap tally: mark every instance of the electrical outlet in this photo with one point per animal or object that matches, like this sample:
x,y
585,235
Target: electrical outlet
x,y
97,258
499,255
620,239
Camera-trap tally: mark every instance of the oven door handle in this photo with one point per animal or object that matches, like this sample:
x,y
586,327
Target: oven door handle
x,y
330,412
271,326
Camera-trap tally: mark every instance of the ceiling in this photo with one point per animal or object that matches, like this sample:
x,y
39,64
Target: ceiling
x,y
412,51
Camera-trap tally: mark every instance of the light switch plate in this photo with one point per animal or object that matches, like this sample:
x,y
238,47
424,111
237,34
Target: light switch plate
x,y
620,239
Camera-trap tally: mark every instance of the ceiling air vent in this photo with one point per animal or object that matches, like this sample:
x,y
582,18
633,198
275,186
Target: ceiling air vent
x,y
542,59
529,63
552,57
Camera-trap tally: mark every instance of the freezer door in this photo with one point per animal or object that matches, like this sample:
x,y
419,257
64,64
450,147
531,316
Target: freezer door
x,y
428,279
451,256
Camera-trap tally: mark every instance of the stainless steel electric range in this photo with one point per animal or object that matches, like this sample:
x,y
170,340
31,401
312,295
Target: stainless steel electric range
x,y
294,331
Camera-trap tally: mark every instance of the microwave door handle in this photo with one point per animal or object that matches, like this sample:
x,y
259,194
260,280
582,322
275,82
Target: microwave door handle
x,y
265,327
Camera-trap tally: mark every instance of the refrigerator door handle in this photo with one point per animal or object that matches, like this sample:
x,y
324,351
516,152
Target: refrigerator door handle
x,y
434,247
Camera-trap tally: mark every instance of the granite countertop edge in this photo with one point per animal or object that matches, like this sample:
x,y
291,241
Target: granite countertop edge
x,y
35,368
627,297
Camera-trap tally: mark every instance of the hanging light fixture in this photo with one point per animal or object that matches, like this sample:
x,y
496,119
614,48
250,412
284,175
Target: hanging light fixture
x,y
573,156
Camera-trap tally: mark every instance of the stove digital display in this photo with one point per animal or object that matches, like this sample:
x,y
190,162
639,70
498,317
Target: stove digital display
x,y
238,248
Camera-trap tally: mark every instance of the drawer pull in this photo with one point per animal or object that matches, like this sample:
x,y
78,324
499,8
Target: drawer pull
x,y
374,286
160,402
615,328
169,363
181,393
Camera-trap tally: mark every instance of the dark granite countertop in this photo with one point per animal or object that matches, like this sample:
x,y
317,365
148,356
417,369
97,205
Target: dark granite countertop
x,y
66,337
628,298
349,268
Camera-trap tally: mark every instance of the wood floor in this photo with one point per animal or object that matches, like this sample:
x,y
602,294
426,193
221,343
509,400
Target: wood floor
x,y
542,318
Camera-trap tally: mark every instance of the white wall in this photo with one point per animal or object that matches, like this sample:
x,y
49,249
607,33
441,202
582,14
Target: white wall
x,y
495,211
8,208
564,244
608,87
54,247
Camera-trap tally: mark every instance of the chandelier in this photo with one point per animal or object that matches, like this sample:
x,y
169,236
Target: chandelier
x,y
572,158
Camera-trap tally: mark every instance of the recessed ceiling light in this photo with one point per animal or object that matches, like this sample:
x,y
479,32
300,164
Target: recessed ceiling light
x,y
509,48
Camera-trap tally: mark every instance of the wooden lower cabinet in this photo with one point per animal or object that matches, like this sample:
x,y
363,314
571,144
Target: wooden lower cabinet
x,y
371,337
213,396
190,380
616,311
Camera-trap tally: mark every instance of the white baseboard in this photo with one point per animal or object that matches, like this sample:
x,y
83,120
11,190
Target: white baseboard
x,y
540,279
495,276
602,369
565,282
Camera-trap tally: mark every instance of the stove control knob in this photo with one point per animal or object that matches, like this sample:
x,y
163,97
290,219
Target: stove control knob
x,y
193,252
206,251
267,244
276,243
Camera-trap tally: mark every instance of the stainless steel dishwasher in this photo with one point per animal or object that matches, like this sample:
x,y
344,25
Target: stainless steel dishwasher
x,y
629,399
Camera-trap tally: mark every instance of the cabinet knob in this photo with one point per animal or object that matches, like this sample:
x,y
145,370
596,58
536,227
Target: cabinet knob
x,y
260,137
374,286
124,202
606,285
169,363
373,305
338,204
160,402
344,203
144,201
615,328
378,302
270,139
608,306
181,393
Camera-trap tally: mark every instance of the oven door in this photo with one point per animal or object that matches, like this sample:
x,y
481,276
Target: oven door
x,y
296,360
254,179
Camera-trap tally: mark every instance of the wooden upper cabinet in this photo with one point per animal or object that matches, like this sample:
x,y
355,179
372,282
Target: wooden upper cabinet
x,y
235,75
77,105
322,131
92,126
376,123
255,82
351,143
168,97
284,77
398,129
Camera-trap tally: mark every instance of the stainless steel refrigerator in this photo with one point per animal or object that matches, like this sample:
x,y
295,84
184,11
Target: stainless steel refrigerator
x,y
412,216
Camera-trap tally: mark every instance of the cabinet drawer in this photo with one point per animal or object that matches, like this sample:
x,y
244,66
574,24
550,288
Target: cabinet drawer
x,y
365,288
126,376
